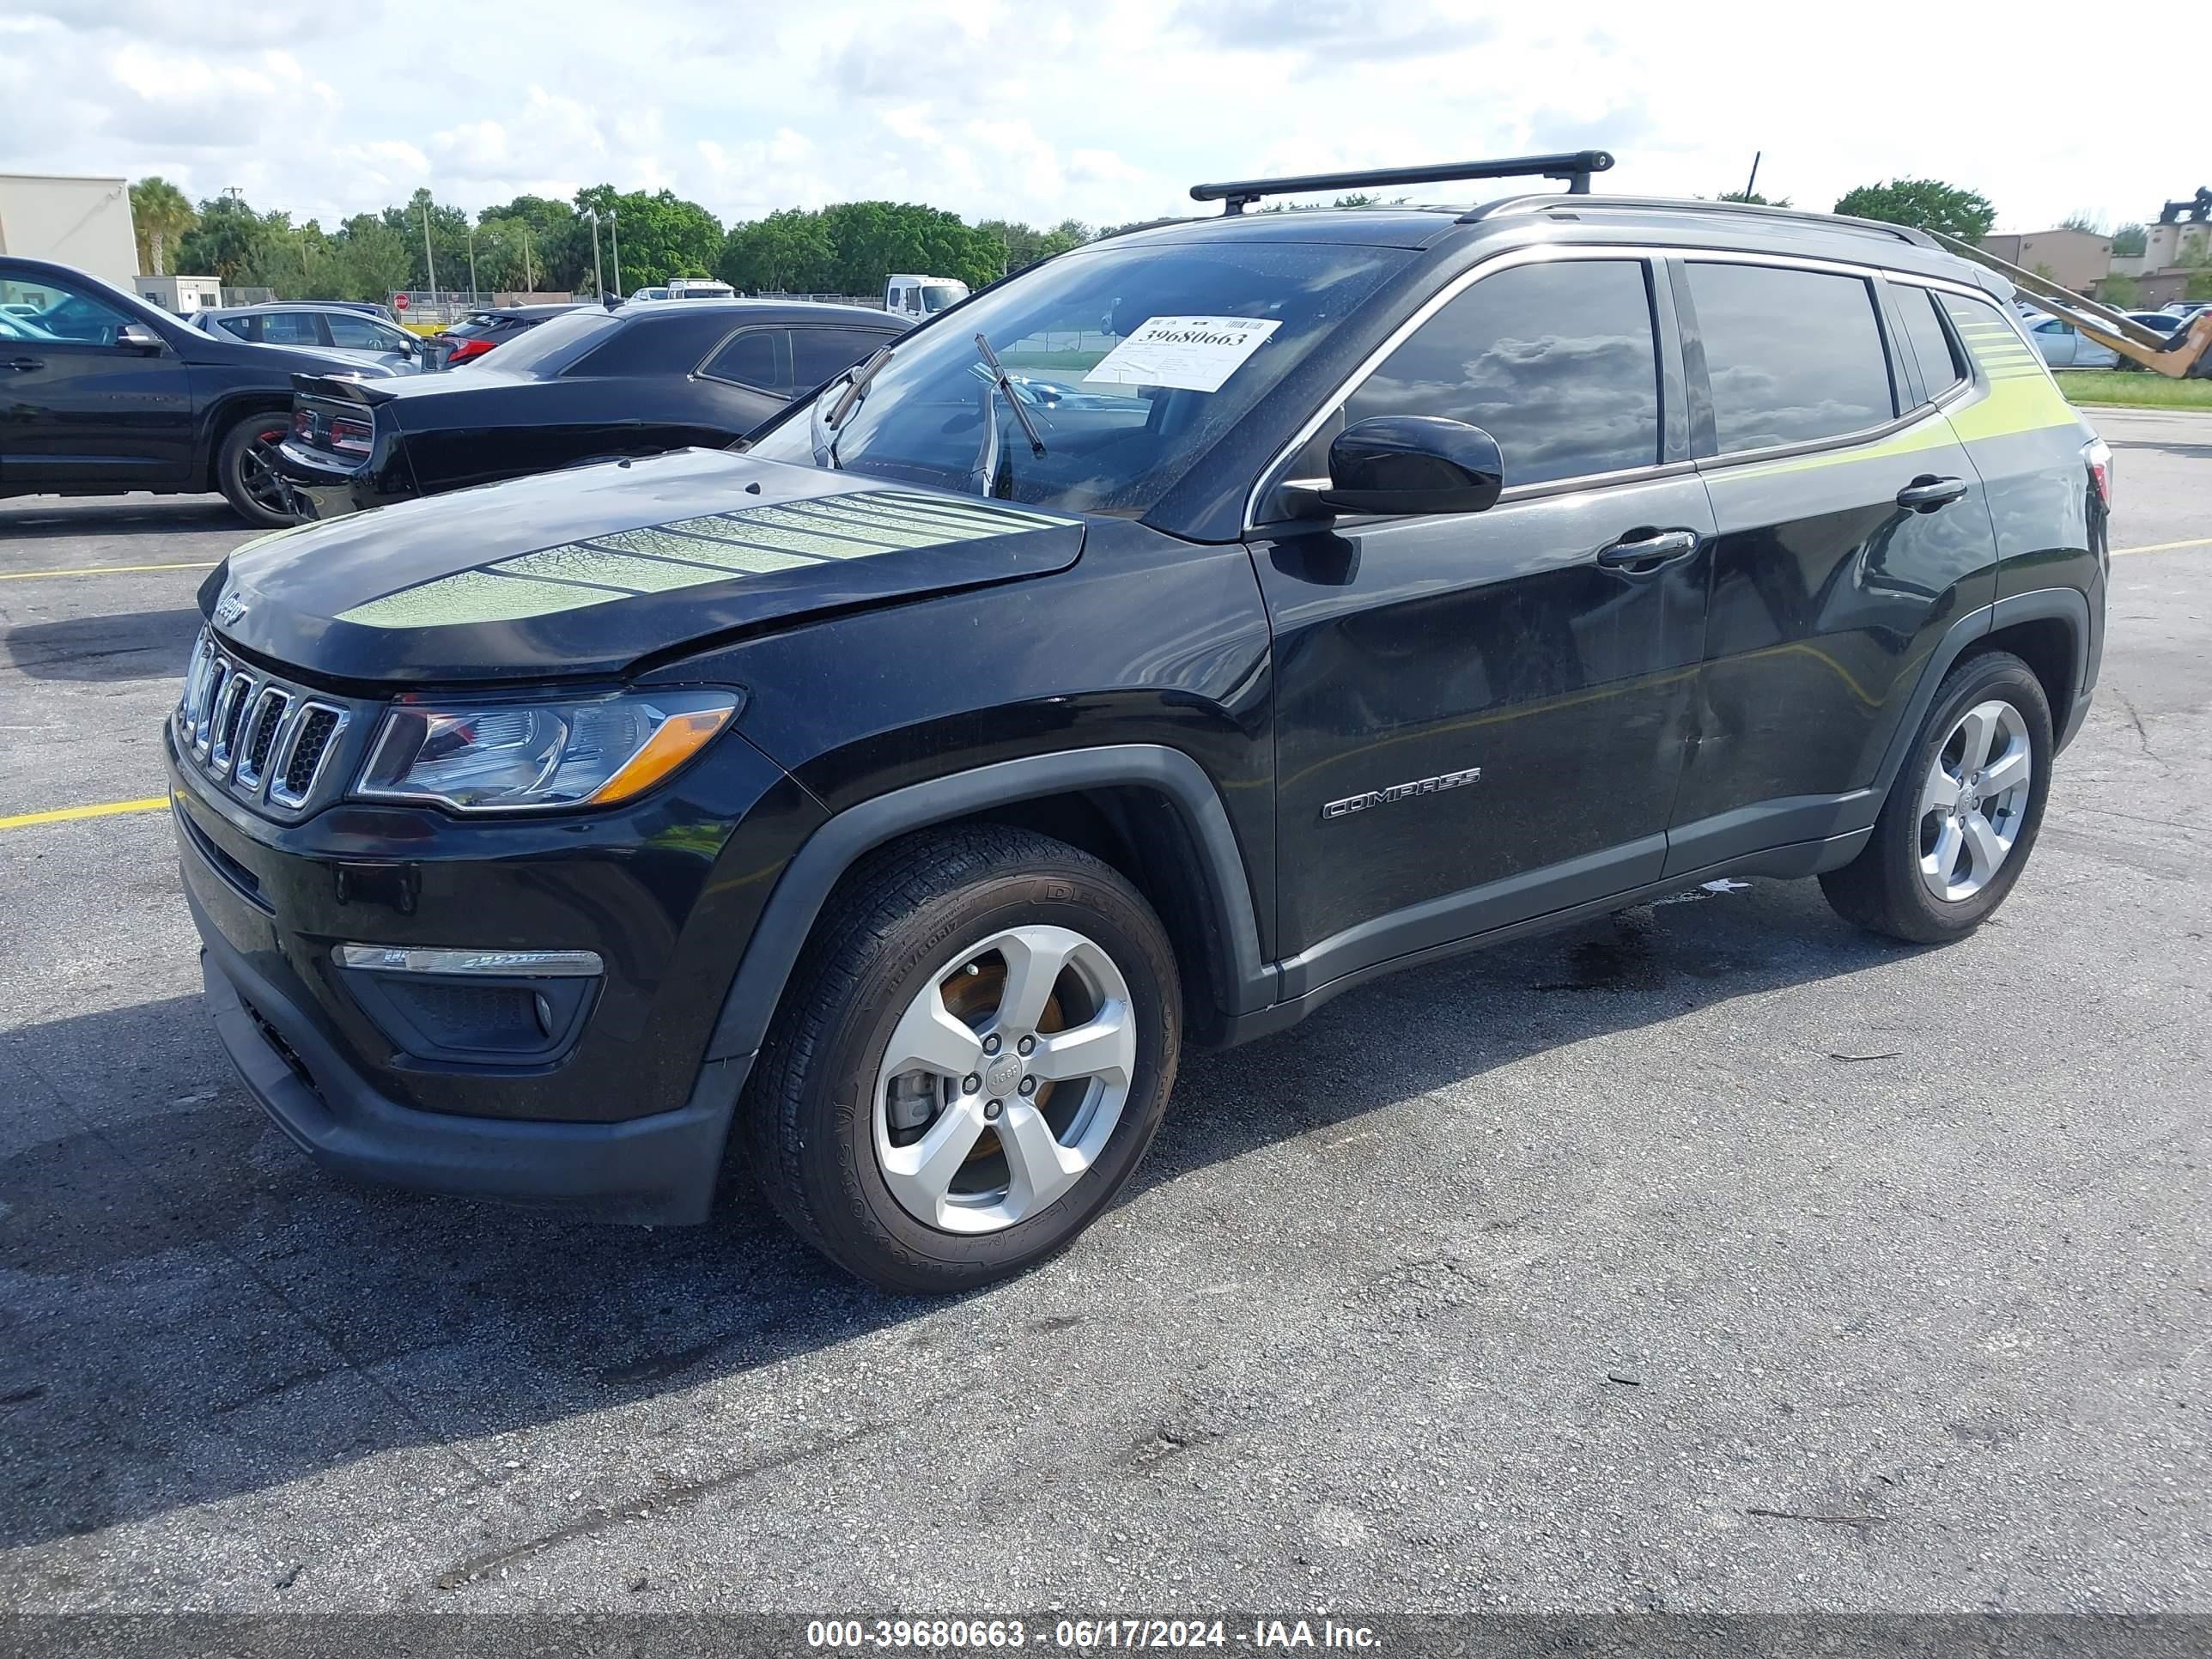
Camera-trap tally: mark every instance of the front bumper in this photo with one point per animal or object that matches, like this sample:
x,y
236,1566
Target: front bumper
x,y
623,1115
658,1170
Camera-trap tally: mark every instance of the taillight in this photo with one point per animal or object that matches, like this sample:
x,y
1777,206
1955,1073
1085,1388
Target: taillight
x,y
353,437
303,424
2099,454
465,349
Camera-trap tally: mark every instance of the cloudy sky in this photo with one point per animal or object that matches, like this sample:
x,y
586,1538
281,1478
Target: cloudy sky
x,y
1034,110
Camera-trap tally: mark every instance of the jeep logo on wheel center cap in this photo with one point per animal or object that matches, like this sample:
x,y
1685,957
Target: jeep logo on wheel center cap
x,y
1005,1075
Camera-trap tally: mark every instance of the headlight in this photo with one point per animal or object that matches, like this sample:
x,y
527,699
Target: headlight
x,y
511,756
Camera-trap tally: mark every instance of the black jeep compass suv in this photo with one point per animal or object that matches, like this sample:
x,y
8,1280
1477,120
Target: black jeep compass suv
x,y
1164,641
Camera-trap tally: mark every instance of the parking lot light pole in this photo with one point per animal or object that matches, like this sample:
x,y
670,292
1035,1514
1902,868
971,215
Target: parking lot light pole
x,y
472,266
598,276
429,260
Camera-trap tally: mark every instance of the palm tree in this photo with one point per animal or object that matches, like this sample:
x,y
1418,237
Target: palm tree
x,y
159,212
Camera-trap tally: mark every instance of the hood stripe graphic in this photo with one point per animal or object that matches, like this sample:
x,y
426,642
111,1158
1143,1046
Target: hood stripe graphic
x,y
718,547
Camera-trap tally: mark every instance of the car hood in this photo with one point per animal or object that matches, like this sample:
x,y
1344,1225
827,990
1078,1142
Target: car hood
x,y
582,573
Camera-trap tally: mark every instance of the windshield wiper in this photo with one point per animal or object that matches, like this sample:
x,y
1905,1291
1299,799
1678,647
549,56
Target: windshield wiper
x,y
857,379
999,378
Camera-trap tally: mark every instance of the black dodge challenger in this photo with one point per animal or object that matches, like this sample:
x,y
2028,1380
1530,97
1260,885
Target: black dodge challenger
x,y
590,384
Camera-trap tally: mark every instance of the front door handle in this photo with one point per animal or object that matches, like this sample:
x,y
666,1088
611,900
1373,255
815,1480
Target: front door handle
x,y
24,365
1928,492
1642,551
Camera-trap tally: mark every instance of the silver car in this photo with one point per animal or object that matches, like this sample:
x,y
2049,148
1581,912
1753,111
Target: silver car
x,y
338,329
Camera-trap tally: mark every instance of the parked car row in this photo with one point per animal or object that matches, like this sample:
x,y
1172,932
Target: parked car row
x,y
104,393
109,394
592,385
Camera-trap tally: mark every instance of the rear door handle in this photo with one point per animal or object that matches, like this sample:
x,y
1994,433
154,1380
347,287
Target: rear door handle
x,y
1928,492
24,365
1648,550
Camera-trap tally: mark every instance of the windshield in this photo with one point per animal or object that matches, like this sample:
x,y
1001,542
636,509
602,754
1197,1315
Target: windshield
x,y
1122,414
937,296
545,350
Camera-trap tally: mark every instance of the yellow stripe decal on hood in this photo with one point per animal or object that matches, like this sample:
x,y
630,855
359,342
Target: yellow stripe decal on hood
x,y
716,547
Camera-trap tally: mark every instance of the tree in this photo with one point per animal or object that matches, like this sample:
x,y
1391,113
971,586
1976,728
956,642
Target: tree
x,y
226,243
1924,205
2083,221
2120,291
1024,246
854,246
1753,198
661,236
2199,285
160,215
2129,242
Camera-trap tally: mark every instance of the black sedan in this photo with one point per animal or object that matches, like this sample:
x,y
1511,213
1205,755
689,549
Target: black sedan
x,y
100,392
592,385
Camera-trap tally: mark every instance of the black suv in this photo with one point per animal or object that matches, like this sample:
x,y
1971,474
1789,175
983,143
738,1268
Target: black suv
x,y
100,392
1169,638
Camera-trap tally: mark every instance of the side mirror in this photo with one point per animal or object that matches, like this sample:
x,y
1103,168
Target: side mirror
x,y
1407,463
137,336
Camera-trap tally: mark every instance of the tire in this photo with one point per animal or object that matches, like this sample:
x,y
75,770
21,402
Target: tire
x,y
243,475
843,1147
1919,844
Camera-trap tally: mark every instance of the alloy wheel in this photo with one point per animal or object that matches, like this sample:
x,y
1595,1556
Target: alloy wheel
x,y
257,475
1974,800
1004,1079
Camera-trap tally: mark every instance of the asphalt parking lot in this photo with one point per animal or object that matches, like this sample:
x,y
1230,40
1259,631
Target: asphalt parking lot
x,y
1713,1257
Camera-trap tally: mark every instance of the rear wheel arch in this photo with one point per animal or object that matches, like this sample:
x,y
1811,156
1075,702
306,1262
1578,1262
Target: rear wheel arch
x,y
2051,645
224,415
1150,812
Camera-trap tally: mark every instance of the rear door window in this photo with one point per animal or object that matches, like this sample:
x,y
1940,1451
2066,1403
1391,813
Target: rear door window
x,y
756,358
292,328
1792,356
818,353
1922,316
1557,360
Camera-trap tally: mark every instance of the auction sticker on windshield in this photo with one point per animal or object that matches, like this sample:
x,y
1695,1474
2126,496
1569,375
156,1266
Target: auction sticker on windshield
x,y
1195,354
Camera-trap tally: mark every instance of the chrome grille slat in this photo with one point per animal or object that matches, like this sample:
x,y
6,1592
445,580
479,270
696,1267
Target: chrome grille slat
x,y
230,714
260,740
310,745
259,731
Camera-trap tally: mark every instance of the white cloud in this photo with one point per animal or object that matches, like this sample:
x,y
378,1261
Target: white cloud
x,y
1041,111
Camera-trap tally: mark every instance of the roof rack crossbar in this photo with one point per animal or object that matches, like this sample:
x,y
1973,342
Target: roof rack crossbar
x,y
1575,167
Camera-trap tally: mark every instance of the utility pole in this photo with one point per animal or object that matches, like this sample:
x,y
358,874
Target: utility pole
x,y
529,282
429,260
614,230
472,265
598,276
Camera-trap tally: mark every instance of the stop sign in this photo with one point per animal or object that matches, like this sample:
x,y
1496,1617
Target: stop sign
x,y
399,302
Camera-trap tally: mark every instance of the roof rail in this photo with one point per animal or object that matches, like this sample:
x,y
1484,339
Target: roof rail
x,y
1537,203
1573,166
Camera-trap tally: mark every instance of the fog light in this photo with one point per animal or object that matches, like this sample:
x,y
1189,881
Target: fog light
x,y
502,964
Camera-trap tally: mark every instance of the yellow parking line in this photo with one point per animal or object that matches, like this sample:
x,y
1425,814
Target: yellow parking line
x,y
2163,547
65,814
101,570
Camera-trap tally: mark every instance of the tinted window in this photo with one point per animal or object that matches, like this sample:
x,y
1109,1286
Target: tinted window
x,y
750,359
1932,342
1793,355
294,328
1555,361
61,312
551,346
359,334
818,353
241,326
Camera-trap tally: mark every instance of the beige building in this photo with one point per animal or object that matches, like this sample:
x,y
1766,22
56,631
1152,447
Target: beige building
x,y
84,222
2071,258
181,295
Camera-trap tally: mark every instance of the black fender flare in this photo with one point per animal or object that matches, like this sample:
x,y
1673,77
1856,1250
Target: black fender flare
x,y
2069,605
830,851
